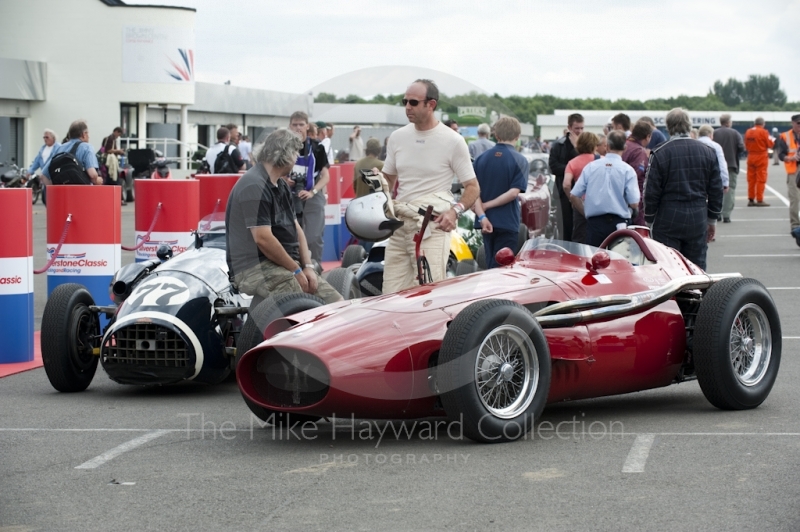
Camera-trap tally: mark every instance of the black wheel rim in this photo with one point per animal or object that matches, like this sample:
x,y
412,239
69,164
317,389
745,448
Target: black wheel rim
x,y
83,336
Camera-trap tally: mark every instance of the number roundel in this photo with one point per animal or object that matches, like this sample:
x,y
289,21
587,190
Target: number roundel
x,y
162,291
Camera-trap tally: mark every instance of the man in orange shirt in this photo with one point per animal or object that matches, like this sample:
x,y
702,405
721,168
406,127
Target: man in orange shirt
x,y
757,142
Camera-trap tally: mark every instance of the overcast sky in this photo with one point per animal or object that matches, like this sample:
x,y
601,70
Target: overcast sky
x,y
570,48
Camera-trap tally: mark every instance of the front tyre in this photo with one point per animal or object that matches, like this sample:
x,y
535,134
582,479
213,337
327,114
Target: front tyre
x,y
494,370
737,344
344,281
353,254
70,332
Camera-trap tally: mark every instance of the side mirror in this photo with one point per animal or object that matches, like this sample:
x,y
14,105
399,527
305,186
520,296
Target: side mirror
x,y
164,252
505,257
600,260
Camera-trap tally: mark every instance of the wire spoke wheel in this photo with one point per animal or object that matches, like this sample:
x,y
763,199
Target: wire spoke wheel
x,y
737,343
506,372
494,370
750,345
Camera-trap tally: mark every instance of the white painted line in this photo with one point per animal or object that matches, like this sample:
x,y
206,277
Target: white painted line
x,y
44,429
778,195
637,456
763,256
750,236
118,450
783,288
790,337
751,220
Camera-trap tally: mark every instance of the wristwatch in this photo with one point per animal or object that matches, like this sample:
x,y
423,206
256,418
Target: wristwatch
x,y
459,208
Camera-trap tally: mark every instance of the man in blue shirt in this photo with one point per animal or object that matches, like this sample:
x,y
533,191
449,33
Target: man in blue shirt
x,y
45,152
502,174
610,187
78,133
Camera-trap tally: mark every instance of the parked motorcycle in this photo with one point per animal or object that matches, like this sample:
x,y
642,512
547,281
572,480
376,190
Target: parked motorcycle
x,y
17,177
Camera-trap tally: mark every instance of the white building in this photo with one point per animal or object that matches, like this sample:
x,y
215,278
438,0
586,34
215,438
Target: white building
x,y
552,126
115,65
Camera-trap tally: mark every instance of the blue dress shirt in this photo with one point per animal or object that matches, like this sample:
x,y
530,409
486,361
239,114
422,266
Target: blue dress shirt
x,y
610,186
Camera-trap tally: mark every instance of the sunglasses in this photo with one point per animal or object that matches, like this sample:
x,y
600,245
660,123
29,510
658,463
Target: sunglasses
x,y
414,103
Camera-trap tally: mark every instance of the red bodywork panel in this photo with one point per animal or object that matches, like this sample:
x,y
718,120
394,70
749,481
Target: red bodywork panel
x,y
377,350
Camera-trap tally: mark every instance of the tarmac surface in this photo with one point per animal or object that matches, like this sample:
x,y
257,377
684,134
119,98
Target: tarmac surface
x,y
192,457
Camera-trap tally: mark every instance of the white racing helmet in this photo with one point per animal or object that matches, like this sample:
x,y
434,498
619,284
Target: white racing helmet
x,y
369,217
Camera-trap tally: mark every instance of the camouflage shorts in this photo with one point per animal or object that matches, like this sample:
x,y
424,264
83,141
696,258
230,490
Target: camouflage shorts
x,y
270,279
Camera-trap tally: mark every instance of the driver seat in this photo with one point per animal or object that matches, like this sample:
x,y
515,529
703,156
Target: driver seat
x,y
628,248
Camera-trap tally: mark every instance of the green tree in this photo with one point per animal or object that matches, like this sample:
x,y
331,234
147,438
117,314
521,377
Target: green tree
x,y
757,92
325,97
764,90
731,92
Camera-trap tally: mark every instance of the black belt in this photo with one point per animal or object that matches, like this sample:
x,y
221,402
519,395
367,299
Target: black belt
x,y
608,217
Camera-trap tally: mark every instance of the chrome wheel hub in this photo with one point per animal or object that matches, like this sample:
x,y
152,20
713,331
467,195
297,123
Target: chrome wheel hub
x,y
506,371
750,345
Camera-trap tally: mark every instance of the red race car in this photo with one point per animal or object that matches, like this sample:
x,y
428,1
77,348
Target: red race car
x,y
560,321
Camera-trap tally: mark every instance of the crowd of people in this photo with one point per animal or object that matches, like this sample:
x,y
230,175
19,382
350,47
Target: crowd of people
x,y
684,185
631,174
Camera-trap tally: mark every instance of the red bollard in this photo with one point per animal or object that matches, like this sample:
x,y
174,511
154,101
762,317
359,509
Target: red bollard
x,y
346,171
16,277
214,191
173,222
347,193
91,253
332,249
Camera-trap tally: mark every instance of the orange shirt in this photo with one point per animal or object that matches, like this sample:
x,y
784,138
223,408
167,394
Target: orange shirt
x,y
757,142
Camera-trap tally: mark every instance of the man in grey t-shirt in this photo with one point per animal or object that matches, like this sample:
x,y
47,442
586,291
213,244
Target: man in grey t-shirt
x,y
266,248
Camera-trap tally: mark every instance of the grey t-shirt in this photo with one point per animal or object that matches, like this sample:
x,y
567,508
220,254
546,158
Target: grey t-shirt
x,y
254,202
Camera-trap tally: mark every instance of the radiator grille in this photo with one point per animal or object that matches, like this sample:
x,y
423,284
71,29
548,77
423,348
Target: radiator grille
x,y
290,378
146,344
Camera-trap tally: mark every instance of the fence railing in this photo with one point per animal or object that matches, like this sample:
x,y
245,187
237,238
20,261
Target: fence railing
x,y
186,150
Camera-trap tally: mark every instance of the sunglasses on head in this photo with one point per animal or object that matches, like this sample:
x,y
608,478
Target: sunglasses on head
x,y
414,103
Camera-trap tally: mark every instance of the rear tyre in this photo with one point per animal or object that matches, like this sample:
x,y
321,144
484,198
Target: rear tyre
x,y
372,284
480,257
253,334
494,370
70,332
466,267
129,187
452,263
522,237
36,191
345,282
737,344
353,254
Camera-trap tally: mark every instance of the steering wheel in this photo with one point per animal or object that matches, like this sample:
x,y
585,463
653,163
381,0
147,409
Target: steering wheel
x,y
550,246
